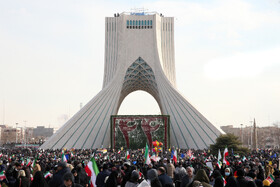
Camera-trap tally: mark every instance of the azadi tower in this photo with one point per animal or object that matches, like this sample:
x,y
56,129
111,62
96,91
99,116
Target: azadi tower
x,y
139,55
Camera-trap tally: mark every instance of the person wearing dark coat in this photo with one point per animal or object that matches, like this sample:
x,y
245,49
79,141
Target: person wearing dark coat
x,y
276,182
68,181
133,181
76,176
84,179
100,179
22,180
202,177
126,173
163,177
57,179
240,178
152,177
230,179
112,179
39,180
188,178
218,179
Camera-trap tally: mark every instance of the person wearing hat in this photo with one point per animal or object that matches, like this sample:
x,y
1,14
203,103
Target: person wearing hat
x,y
68,181
57,179
276,182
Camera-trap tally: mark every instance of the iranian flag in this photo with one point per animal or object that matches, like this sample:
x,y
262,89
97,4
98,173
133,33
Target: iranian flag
x,y
219,163
34,163
225,155
22,163
2,176
225,182
92,171
63,157
147,156
270,178
28,162
175,156
48,174
127,155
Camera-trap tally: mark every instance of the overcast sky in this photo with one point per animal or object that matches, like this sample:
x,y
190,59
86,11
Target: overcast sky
x,y
227,55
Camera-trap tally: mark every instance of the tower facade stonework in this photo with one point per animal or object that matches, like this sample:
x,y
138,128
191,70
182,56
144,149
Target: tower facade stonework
x,y
139,55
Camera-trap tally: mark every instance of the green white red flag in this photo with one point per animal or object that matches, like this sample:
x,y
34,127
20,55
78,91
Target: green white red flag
x,y
147,156
270,178
2,176
28,162
225,156
48,174
127,155
92,171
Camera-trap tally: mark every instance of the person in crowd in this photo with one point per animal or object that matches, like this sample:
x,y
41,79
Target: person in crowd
x,y
112,180
68,181
230,179
276,182
242,182
76,176
57,179
247,169
39,180
202,177
218,180
268,168
100,179
126,172
133,181
163,177
180,172
152,176
36,167
22,180
187,179
84,179
170,169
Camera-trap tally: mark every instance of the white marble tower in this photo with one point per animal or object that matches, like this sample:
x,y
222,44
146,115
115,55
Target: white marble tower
x,y
139,55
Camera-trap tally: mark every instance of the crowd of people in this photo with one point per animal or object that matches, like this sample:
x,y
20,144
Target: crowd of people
x,y
188,168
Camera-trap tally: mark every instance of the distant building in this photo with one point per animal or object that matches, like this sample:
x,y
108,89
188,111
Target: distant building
x,y
40,132
8,135
266,137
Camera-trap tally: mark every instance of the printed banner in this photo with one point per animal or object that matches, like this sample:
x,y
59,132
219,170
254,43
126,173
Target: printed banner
x,y
133,131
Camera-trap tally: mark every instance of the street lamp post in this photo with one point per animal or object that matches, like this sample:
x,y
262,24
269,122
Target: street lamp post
x,y
16,132
241,134
25,132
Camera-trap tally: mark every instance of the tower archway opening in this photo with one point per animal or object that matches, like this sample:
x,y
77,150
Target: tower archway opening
x,y
139,103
